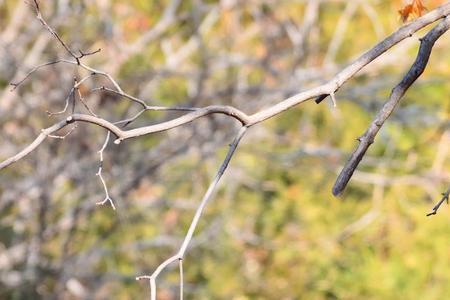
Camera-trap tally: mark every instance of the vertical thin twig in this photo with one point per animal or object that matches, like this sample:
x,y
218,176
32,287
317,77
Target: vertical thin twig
x,y
99,174
180,262
206,198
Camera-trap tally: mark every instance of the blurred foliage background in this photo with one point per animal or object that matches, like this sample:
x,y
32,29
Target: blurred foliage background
x,y
273,230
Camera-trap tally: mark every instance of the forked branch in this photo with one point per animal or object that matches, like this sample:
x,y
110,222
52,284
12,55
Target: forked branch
x,y
426,45
246,120
250,120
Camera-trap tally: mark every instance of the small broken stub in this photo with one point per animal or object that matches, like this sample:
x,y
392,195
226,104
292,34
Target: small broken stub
x,y
117,141
69,119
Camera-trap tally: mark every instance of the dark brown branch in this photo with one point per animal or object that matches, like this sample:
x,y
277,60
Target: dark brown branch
x,y
397,93
15,85
56,35
445,198
83,54
50,29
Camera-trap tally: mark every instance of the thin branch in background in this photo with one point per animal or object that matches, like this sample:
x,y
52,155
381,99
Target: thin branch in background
x,y
83,54
99,174
62,137
397,93
123,94
445,198
80,97
71,96
102,73
143,103
128,121
51,30
339,34
66,105
206,198
180,263
56,35
15,85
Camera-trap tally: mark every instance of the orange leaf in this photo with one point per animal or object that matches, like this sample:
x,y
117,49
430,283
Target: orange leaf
x,y
414,8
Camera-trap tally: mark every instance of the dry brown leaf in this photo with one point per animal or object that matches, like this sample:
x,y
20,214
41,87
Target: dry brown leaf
x,y
415,8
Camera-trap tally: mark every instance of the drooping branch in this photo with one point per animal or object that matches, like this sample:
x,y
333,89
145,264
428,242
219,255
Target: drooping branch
x,y
426,45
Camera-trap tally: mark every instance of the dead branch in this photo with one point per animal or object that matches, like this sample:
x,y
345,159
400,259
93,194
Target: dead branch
x,y
397,93
246,120
179,256
250,120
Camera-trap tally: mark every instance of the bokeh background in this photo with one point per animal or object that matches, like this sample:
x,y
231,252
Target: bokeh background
x,y
273,231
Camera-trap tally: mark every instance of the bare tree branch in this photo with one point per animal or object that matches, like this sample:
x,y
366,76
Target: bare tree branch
x,y
404,32
41,137
206,198
100,174
246,120
56,35
327,88
397,93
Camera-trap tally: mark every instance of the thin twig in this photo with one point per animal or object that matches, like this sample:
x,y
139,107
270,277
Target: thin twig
x,y
56,35
123,94
80,97
66,105
83,54
445,198
142,102
206,198
62,137
15,85
50,29
99,174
